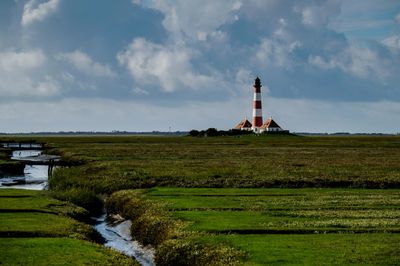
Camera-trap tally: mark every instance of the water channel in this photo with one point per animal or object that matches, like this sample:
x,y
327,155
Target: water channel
x,y
35,176
116,235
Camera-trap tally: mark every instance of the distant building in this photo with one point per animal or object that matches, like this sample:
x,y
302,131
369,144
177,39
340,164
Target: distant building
x,y
271,126
258,126
244,125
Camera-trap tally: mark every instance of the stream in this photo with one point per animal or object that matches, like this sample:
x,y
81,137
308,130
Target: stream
x,y
35,176
116,235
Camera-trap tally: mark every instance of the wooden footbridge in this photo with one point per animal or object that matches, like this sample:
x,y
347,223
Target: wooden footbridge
x,y
22,146
43,159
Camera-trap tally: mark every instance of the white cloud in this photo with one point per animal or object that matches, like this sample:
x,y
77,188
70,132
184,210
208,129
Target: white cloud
x,y
366,62
21,75
195,19
15,61
301,30
318,61
276,53
24,86
168,67
243,76
287,36
244,79
68,77
38,12
49,86
137,2
139,91
392,42
297,14
319,14
85,64
359,61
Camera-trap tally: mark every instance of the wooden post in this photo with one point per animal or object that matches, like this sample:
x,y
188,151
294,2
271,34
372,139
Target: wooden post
x,y
50,168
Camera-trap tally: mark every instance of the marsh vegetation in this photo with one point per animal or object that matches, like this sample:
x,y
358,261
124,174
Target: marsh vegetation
x,y
243,200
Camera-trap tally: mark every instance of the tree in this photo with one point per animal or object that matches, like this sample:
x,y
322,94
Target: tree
x,y
194,133
212,132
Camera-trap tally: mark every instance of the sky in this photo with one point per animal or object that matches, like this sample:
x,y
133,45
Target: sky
x,y
159,65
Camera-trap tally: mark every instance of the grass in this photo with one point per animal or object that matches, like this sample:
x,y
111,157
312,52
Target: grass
x,y
292,226
285,200
123,162
19,200
57,251
38,230
330,249
39,224
34,213
281,210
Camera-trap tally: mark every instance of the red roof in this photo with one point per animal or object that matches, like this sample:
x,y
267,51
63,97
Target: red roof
x,y
243,124
270,123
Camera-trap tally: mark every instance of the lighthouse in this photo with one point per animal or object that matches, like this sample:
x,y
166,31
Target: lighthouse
x,y
257,107
270,126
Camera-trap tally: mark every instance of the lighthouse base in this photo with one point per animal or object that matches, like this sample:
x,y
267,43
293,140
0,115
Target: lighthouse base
x,y
256,130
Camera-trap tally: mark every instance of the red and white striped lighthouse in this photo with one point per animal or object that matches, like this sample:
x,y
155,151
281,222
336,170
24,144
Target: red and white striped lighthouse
x,y
257,109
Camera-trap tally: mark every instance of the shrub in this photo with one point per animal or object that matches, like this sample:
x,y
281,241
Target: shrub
x,y
83,198
150,223
188,252
213,132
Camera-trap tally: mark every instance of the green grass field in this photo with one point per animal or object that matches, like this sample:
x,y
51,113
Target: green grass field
x,y
38,230
276,210
316,249
293,226
284,200
123,162
57,251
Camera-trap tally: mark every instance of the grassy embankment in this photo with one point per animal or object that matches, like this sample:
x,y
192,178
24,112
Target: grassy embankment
x,y
277,228
38,230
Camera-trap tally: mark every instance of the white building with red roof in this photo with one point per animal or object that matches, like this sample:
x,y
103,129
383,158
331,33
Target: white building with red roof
x,y
244,125
271,126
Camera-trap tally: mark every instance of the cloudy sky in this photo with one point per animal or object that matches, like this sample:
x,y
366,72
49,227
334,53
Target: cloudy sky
x,y
325,65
